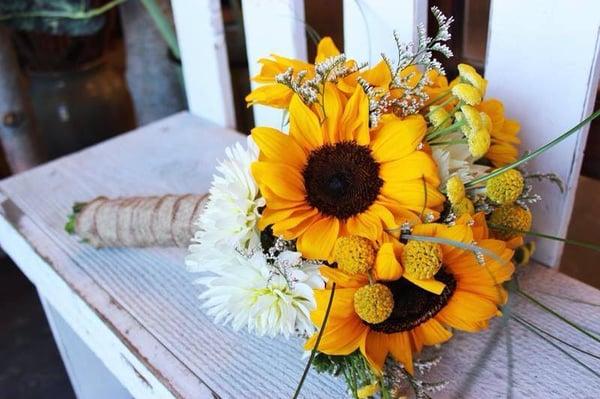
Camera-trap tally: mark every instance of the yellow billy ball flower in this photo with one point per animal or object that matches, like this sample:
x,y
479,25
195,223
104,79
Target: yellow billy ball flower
x,y
455,189
479,143
469,74
473,119
421,260
506,187
467,93
354,254
508,218
373,303
439,116
463,207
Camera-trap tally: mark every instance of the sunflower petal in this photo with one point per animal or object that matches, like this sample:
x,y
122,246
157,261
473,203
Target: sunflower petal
x,y
401,350
318,240
325,49
354,125
283,180
375,348
398,138
387,267
431,285
304,125
278,147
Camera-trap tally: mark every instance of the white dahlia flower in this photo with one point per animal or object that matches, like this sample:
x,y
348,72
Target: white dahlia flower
x,y
229,220
268,297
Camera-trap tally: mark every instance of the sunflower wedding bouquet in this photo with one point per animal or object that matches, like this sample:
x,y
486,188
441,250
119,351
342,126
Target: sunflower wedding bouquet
x,y
386,212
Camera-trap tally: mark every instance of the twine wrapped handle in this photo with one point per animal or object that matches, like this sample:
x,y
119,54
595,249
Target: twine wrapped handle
x,y
164,221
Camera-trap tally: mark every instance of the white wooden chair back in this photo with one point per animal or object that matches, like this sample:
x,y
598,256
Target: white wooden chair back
x,y
542,62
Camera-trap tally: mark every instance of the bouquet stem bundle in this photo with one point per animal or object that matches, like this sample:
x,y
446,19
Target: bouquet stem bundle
x,y
164,221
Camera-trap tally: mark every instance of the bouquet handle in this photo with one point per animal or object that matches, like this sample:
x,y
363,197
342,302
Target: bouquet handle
x,y
157,221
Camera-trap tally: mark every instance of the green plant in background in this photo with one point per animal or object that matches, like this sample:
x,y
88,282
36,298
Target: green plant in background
x,y
75,17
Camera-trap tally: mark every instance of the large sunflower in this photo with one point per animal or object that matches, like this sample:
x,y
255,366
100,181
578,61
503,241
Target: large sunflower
x,y
418,317
333,177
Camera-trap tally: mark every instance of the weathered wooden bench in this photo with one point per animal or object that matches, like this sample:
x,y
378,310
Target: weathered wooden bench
x,y
127,321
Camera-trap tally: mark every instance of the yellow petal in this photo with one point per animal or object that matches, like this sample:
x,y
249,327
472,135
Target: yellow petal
x,y
431,285
432,332
343,279
387,267
333,109
375,349
398,138
304,125
355,120
401,350
417,165
284,180
318,240
325,49
275,95
340,337
278,147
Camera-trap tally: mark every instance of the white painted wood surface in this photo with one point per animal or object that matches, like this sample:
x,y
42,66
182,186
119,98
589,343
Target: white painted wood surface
x,y
201,39
272,27
543,63
89,377
137,309
369,26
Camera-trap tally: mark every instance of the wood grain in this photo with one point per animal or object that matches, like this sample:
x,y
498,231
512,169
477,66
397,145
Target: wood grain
x,y
533,43
146,299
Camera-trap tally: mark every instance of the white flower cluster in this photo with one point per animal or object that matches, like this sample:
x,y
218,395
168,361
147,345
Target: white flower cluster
x,y
268,293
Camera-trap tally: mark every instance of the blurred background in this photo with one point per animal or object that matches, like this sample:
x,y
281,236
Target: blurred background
x,y
77,72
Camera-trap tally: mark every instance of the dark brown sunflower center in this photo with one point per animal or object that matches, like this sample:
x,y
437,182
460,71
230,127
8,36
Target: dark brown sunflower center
x,y
413,305
342,179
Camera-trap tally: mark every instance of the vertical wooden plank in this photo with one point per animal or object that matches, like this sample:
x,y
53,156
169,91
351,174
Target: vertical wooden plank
x,y
89,376
272,27
543,63
201,37
369,26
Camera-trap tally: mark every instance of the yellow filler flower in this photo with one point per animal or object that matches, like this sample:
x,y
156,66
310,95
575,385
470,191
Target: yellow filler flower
x,y
336,178
504,134
415,317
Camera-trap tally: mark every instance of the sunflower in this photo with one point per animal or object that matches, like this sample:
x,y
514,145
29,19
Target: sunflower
x,y
332,177
504,134
417,317
278,95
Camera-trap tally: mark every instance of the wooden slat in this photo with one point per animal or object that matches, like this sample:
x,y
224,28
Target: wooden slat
x,y
201,39
140,304
369,26
89,377
272,27
543,63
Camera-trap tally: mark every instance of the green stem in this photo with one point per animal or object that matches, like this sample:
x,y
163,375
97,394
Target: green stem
x,y
557,315
447,130
444,103
317,342
94,12
582,244
164,26
438,98
535,153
